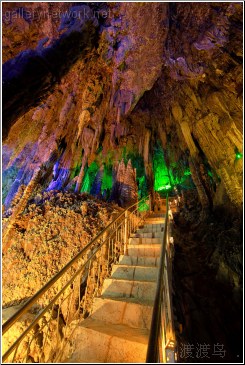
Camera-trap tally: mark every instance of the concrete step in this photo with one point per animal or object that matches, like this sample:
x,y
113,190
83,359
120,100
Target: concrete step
x,y
108,343
152,250
154,225
148,228
154,221
157,215
121,288
143,240
141,261
118,329
76,358
148,234
143,231
127,311
145,273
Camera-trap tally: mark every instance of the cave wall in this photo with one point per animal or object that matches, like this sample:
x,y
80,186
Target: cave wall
x,y
126,81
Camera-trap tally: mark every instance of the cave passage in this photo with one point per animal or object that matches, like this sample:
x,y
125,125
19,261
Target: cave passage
x,y
105,104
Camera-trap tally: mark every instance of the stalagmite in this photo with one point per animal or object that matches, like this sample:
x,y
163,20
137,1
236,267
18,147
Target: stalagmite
x,y
81,174
19,208
128,191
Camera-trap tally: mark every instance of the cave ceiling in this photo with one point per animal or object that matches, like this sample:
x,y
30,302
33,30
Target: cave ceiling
x,y
87,85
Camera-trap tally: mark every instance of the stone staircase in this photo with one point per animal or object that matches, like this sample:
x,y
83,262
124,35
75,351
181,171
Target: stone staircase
x,y
118,329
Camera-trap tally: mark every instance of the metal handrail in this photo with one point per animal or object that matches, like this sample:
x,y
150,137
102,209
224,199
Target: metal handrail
x,y
107,241
159,340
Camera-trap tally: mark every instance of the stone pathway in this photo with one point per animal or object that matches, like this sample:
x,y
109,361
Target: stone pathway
x,y
118,329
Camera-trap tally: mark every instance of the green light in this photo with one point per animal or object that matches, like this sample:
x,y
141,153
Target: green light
x,y
107,178
89,177
238,155
165,187
143,206
161,173
187,172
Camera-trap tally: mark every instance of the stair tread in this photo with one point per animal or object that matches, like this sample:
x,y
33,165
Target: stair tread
x,y
89,360
145,240
117,330
134,272
136,266
155,221
129,288
107,342
135,260
144,302
144,245
131,280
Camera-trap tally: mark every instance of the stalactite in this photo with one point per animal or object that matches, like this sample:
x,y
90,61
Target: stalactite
x,y
218,145
82,122
147,164
195,173
146,146
81,173
125,190
188,138
234,191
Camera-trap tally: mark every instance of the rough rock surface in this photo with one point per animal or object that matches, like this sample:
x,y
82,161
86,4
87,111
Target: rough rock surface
x,y
54,227
208,283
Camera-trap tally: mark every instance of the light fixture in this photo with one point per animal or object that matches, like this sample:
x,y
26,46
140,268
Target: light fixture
x,y
170,344
170,351
238,155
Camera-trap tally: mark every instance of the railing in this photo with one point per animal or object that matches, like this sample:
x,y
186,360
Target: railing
x,y
161,345
40,331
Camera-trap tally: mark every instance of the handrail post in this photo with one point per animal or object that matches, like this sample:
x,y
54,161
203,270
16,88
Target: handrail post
x,y
126,232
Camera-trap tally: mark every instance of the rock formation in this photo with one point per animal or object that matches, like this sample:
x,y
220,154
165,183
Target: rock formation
x,y
122,86
93,92
53,229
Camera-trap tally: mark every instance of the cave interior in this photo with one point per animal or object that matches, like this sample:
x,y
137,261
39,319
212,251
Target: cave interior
x,y
105,103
